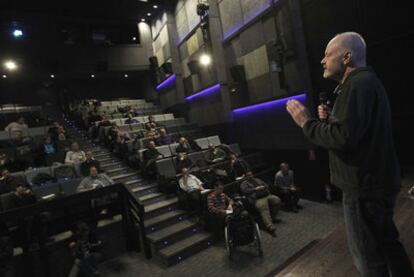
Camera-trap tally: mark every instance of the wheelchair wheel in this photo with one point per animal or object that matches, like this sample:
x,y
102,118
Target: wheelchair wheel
x,y
257,239
229,242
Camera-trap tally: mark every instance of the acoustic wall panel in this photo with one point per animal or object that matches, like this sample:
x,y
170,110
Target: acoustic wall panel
x,y
191,10
192,44
181,23
252,8
231,15
256,63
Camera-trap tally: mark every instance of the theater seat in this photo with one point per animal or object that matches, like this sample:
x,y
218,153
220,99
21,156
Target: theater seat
x,y
31,173
165,167
215,140
164,150
202,142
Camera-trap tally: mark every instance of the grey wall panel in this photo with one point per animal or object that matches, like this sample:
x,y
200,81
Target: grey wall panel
x,y
252,8
252,38
231,15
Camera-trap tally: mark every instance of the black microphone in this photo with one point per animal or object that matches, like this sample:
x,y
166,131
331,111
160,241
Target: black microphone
x,y
323,100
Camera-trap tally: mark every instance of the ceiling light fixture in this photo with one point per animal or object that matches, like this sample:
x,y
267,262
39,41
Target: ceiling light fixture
x,y
155,7
10,65
149,14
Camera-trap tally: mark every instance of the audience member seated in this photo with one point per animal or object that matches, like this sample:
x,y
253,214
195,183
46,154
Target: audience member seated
x,y
53,130
14,126
219,205
236,168
8,182
48,150
113,135
266,204
215,154
19,139
131,119
133,111
164,138
63,144
149,157
5,162
93,181
151,123
182,161
88,163
151,133
75,157
24,151
193,188
284,186
186,146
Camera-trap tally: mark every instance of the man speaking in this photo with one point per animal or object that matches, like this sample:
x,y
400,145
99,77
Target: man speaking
x,y
357,133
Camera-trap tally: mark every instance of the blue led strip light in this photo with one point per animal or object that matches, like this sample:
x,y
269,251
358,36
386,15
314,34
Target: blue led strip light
x,y
203,92
281,103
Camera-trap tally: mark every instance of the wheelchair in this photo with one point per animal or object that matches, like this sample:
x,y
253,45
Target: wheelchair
x,y
241,229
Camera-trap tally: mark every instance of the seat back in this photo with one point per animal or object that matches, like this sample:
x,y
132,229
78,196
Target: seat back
x,y
215,140
165,167
202,142
164,150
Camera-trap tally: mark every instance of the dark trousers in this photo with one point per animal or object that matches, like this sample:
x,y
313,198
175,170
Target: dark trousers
x,y
289,197
194,201
373,238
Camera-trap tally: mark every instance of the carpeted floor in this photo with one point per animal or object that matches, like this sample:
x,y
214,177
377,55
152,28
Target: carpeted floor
x,y
294,232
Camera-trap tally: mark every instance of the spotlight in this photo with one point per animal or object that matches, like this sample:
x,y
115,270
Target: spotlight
x,y
17,33
205,59
134,38
155,7
148,14
143,19
92,75
52,76
126,75
10,65
4,76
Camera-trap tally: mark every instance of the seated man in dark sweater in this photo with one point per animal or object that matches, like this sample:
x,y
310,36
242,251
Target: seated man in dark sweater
x,y
266,204
185,146
164,138
284,186
149,157
182,161
88,163
236,168
9,182
215,154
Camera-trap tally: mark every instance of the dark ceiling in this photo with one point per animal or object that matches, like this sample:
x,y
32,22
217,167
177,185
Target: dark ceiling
x,y
117,10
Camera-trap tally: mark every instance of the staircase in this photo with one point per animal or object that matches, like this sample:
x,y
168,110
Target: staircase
x,y
172,233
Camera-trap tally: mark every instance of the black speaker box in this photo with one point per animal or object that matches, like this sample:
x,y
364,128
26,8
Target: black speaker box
x,y
153,61
193,66
237,73
167,67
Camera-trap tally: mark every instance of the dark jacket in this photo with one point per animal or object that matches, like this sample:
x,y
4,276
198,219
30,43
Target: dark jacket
x,y
86,165
358,135
248,188
238,169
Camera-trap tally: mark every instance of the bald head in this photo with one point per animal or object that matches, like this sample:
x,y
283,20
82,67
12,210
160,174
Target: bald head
x,y
345,52
354,43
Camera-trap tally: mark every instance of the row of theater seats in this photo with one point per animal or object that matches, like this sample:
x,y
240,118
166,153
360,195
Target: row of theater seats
x,y
123,102
32,132
15,108
142,119
65,181
170,150
166,167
